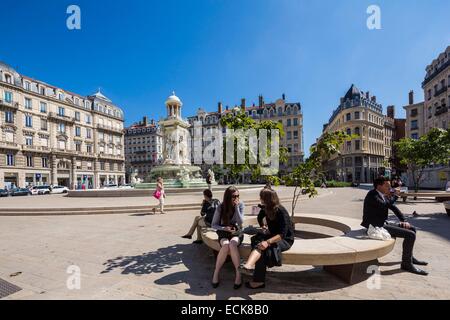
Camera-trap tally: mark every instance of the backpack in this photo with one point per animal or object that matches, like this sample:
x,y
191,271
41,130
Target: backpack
x,y
211,210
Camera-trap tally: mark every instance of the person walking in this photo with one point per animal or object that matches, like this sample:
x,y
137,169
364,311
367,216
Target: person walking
x,y
160,195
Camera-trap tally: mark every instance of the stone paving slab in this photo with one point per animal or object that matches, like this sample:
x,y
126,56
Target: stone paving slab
x,y
144,257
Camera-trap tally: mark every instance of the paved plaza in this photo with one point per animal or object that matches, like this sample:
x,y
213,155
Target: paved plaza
x,y
141,256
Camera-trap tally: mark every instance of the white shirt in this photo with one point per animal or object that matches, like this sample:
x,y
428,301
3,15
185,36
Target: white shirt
x,y
382,196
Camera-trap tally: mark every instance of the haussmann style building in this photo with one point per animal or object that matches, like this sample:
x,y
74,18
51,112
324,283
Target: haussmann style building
x,y
49,135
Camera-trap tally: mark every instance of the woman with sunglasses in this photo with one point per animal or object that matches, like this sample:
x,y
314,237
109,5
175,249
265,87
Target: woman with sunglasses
x,y
227,221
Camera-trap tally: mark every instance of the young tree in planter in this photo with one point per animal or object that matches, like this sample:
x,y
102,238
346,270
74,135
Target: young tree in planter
x,y
238,120
309,171
432,148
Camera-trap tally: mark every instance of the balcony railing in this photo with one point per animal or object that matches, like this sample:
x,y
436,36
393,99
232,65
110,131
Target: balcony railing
x,y
35,148
109,128
11,104
57,116
111,156
9,145
441,110
65,151
440,91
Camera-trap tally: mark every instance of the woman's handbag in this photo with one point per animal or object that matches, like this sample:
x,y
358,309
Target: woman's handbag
x,y
272,256
157,194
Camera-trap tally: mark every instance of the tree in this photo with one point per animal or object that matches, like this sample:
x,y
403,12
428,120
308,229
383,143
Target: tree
x,y
432,148
238,120
306,173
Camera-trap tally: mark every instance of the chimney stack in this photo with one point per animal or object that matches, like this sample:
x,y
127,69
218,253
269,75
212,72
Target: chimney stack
x,y
367,95
261,101
391,112
284,97
411,97
219,108
145,121
243,104
226,108
373,98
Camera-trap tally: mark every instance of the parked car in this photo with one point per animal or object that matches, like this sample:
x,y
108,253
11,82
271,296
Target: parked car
x,y
59,189
20,192
447,207
40,190
4,193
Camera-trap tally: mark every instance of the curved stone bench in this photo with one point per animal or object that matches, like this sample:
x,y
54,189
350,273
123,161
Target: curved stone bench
x,y
338,255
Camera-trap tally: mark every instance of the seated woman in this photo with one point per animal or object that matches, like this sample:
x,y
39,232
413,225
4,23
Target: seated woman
x,y
205,218
278,232
227,221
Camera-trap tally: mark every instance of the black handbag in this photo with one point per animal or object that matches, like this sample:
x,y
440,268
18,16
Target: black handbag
x,y
272,256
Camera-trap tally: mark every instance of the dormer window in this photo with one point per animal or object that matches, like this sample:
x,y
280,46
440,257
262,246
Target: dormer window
x,y
61,96
42,90
27,86
8,78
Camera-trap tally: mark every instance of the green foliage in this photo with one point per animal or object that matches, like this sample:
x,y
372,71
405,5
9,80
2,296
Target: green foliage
x,y
306,173
240,121
432,148
332,184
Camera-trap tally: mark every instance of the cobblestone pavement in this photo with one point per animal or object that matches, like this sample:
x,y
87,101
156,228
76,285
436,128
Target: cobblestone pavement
x,y
143,257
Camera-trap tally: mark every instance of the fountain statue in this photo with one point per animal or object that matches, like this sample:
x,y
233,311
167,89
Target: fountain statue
x,y
134,179
176,168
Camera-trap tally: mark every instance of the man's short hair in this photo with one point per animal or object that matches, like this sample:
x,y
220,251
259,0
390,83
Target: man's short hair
x,y
207,193
379,181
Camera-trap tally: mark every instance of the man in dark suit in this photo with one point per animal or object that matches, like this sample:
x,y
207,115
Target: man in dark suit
x,y
376,207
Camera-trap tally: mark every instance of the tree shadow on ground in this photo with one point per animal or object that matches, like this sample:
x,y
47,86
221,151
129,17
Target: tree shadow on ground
x,y
436,223
199,260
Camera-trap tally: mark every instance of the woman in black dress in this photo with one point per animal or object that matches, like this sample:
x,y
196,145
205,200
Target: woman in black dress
x,y
278,232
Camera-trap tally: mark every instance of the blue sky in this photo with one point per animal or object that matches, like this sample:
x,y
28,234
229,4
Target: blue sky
x,y
138,51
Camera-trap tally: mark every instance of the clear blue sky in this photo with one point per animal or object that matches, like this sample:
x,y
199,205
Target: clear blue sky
x,y
223,50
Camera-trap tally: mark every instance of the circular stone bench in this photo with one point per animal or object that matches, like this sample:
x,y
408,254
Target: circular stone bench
x,y
338,255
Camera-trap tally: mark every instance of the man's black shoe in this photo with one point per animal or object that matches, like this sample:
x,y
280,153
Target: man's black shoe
x,y
419,263
411,268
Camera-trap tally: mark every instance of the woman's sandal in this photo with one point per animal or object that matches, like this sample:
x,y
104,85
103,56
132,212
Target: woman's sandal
x,y
245,270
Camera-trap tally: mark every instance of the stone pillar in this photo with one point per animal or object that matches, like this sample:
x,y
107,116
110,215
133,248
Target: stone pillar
x,y
54,173
73,174
2,180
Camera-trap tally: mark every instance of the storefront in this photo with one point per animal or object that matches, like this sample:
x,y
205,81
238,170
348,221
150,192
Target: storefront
x,y
85,181
11,180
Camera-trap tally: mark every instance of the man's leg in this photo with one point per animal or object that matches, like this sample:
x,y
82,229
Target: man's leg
x,y
194,225
200,225
409,236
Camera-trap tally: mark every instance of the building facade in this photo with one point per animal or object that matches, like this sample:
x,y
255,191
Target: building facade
x,y
287,113
433,112
143,148
436,92
52,136
366,156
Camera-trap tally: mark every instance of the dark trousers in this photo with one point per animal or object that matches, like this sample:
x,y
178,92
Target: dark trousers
x,y
259,274
409,236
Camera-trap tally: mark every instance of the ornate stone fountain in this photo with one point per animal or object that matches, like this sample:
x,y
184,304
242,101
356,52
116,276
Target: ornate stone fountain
x,y
176,169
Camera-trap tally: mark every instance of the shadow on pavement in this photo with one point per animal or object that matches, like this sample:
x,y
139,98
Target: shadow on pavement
x,y
436,223
199,262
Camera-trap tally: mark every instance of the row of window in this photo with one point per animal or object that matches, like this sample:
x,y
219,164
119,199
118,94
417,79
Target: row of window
x,y
30,162
292,135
